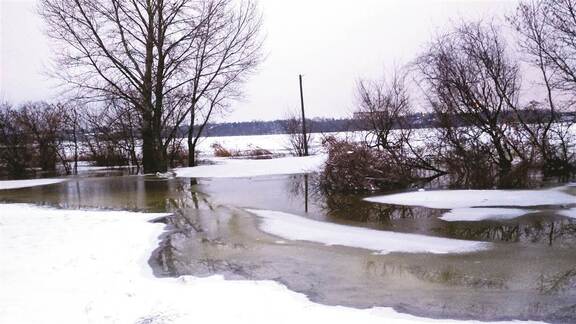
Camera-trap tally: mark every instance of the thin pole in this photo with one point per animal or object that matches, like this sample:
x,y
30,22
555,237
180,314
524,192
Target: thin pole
x,y
305,139
306,193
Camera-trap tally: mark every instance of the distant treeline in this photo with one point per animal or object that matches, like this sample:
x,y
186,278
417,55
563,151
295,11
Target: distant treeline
x,y
328,125
316,125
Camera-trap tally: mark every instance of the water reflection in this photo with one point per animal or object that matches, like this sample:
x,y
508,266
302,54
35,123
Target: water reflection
x,y
558,282
137,193
533,229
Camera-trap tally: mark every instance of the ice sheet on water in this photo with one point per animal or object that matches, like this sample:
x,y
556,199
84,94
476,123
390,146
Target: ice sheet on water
x,y
478,214
478,205
450,199
16,184
294,227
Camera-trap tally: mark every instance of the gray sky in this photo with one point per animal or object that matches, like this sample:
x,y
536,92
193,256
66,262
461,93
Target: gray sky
x,y
331,42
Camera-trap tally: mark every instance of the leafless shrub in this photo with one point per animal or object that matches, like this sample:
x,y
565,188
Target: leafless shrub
x,y
221,151
256,152
297,142
44,123
391,155
382,106
356,167
177,153
15,155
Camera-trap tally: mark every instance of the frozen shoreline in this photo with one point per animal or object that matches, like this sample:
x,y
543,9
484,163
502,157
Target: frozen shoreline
x,y
16,184
74,266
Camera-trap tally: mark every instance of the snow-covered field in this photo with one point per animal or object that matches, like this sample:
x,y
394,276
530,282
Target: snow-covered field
x,y
76,266
293,227
230,168
278,143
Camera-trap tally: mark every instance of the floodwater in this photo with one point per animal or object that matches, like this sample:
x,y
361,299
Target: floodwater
x,y
529,273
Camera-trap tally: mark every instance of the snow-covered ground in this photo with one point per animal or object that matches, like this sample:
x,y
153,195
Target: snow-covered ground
x,y
235,168
294,227
73,266
16,184
277,143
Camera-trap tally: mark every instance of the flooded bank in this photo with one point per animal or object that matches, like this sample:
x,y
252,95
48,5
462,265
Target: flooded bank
x,y
529,273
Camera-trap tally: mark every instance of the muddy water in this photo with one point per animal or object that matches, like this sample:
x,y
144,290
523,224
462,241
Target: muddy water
x,y
530,273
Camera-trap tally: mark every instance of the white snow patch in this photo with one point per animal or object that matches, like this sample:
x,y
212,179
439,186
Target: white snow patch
x,y
236,168
293,227
15,184
449,199
478,214
568,212
72,266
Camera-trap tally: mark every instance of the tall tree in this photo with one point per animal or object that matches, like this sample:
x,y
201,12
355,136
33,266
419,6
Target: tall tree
x,y
142,52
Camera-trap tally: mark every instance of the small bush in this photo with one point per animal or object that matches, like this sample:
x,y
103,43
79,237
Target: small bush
x,y
109,157
221,151
177,154
258,153
354,167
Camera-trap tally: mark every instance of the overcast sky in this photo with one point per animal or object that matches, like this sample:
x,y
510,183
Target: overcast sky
x,y
331,42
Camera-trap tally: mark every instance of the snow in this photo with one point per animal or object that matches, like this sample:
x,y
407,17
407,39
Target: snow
x,y
478,214
450,199
73,266
237,168
15,184
568,212
277,143
294,227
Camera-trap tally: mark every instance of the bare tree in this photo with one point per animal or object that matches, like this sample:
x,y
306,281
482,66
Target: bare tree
x,y
44,123
382,107
14,143
547,30
144,53
292,126
226,51
471,81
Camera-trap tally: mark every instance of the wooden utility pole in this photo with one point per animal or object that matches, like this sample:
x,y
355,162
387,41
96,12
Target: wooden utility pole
x,y
304,137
